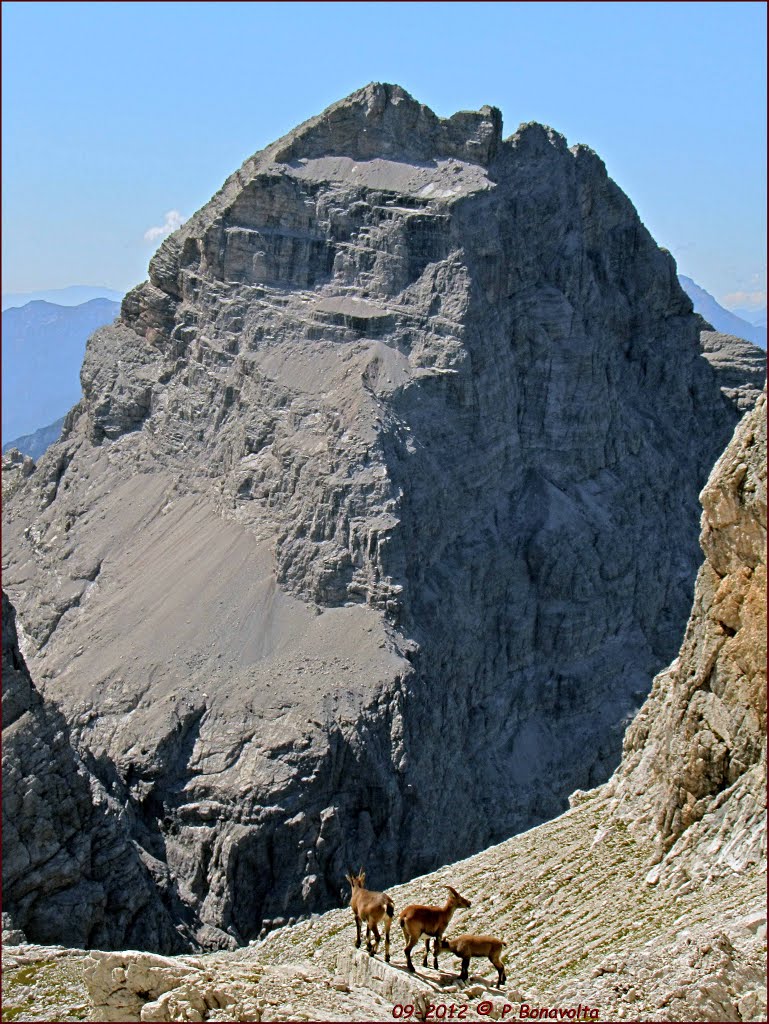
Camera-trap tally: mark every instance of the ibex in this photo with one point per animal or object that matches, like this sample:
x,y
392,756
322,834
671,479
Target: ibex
x,y
371,907
417,920
466,946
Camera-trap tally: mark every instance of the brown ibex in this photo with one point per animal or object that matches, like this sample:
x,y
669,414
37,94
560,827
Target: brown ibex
x,y
466,946
370,907
417,920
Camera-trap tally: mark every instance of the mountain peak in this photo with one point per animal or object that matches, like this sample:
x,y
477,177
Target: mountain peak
x,y
384,120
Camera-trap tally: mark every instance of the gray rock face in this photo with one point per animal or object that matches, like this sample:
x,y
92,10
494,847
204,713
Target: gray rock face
x,y
16,468
70,873
694,768
379,510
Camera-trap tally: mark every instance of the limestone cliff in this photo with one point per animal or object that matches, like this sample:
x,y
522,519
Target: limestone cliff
x,y
584,919
694,768
391,465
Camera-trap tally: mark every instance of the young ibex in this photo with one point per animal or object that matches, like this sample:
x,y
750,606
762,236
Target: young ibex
x,y
417,920
465,946
371,907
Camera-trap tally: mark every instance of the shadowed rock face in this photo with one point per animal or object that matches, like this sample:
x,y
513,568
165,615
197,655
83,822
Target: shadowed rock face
x,y
379,510
70,871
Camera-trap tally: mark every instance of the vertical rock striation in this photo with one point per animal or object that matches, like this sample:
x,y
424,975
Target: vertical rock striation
x,y
379,509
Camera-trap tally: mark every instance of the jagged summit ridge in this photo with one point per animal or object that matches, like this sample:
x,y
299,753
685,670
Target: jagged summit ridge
x,y
381,119
394,458
378,122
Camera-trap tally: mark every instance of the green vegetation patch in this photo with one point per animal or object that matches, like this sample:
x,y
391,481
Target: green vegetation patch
x,y
27,974
34,993
14,1012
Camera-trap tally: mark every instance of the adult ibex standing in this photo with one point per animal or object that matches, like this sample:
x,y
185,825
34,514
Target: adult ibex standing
x,y
370,907
417,920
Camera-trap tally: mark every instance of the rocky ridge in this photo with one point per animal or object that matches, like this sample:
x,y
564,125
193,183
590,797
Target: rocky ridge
x,y
16,468
390,466
35,444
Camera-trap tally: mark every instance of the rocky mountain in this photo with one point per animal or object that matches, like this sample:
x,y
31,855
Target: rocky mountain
x,y
723,320
43,348
379,511
645,901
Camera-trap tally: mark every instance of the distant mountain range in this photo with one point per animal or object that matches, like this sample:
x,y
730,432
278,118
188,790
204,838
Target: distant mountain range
x,y
722,319
37,443
74,295
43,348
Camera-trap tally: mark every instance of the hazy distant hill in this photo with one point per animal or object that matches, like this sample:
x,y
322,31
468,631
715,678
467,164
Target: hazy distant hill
x,y
43,348
722,319
74,295
37,443
757,317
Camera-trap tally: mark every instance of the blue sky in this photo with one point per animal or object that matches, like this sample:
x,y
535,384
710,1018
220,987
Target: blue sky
x,y
115,114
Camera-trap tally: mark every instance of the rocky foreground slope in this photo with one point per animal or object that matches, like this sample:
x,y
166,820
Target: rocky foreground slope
x,y
645,901
379,511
